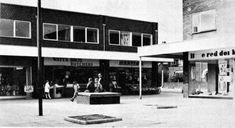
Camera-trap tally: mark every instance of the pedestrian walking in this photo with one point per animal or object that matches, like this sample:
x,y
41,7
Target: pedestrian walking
x,y
47,88
76,88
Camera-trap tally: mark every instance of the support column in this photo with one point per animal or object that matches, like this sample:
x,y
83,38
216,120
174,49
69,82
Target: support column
x,y
140,78
154,80
186,74
104,69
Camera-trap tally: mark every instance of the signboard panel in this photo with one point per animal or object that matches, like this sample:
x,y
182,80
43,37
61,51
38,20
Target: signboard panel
x,y
129,64
71,62
212,54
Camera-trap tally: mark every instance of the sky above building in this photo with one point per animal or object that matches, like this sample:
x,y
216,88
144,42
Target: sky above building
x,y
168,13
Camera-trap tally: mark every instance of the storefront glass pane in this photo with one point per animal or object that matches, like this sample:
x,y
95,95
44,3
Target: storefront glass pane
x,y
12,81
199,78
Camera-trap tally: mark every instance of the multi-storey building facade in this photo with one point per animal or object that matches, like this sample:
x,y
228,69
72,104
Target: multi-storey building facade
x,y
207,49
75,46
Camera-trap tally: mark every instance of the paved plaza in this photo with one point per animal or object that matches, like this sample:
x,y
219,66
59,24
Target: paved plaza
x,y
192,112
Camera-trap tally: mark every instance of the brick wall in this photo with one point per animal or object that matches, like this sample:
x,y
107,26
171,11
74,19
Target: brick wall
x,y
225,19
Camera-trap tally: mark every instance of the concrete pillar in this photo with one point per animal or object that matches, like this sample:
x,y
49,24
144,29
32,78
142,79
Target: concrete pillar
x,y
104,69
186,70
154,81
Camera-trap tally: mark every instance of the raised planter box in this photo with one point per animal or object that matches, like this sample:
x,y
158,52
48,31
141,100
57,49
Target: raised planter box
x,y
98,98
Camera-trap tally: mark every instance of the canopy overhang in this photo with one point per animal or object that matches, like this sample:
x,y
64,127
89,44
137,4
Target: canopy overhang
x,y
176,49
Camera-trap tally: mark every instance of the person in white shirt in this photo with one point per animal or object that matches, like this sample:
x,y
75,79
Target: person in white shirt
x,y
47,90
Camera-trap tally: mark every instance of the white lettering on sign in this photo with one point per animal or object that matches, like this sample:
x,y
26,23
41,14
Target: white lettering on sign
x,y
212,54
71,62
131,64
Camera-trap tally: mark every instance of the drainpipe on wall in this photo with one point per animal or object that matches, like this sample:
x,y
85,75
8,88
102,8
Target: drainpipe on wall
x,y
104,27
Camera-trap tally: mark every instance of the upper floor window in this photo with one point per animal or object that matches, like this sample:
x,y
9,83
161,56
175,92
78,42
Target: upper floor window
x,y
50,31
125,38
203,21
129,38
114,37
79,34
15,28
147,39
136,39
64,32
59,32
92,35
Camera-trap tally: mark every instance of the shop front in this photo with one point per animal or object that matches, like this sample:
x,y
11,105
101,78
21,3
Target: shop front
x,y
212,73
126,73
64,71
15,75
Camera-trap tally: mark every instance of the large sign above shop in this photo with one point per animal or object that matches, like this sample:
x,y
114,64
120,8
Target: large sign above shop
x,y
71,62
129,64
212,54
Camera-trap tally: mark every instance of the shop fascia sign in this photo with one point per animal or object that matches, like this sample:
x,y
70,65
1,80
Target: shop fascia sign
x,y
212,54
129,64
71,62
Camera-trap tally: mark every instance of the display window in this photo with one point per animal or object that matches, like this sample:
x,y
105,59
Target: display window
x,y
214,78
12,81
127,79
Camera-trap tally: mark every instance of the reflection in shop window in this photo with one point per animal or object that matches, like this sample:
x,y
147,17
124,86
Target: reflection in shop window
x,y
136,39
22,29
50,31
79,34
64,32
6,27
199,78
92,35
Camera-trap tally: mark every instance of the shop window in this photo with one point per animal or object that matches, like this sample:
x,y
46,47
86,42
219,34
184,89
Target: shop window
x,y
114,37
136,39
203,21
125,38
64,32
92,35
79,34
22,29
6,27
50,31
147,39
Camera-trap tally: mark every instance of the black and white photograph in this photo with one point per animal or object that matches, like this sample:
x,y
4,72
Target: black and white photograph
x,y
117,63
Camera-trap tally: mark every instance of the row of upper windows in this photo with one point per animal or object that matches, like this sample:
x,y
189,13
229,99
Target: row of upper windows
x,y
15,28
60,32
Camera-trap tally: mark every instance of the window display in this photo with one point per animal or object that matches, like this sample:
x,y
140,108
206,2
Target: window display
x,y
12,81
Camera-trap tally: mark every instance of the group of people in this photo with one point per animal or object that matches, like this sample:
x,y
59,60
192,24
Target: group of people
x,y
92,86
